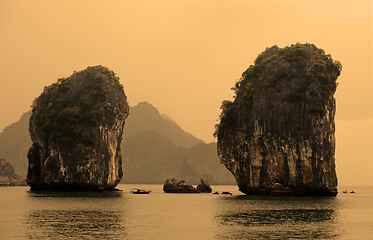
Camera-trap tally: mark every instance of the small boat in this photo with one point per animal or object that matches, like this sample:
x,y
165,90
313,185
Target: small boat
x,y
352,191
140,191
344,191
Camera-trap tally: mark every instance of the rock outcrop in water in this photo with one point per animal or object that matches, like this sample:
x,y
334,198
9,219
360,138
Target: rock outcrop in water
x,y
277,136
204,186
8,177
76,129
174,186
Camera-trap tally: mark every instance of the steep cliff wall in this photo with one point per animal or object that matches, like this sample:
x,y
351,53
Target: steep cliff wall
x,y
277,136
76,128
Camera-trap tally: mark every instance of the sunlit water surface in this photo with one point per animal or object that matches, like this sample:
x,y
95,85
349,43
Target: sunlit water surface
x,y
122,215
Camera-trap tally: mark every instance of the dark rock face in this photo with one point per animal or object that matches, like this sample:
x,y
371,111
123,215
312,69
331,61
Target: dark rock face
x,y
277,136
76,129
204,186
174,186
7,175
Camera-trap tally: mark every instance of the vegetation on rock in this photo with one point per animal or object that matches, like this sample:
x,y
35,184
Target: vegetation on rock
x,y
314,71
67,115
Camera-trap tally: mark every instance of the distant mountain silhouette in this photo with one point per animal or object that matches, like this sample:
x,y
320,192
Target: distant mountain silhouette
x,y
154,148
204,160
15,142
149,157
145,116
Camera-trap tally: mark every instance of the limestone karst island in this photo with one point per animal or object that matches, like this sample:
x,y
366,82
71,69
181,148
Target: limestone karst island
x,y
76,129
278,135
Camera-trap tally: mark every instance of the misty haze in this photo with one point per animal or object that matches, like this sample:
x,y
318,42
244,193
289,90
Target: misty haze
x,y
186,119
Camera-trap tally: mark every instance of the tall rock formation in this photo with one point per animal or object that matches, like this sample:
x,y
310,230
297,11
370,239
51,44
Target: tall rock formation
x,y
76,129
277,136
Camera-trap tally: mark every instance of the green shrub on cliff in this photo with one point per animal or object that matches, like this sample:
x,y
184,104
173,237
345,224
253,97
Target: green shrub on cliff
x,y
277,69
67,111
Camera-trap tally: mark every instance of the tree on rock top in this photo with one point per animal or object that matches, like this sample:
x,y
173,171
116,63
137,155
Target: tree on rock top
x,y
67,110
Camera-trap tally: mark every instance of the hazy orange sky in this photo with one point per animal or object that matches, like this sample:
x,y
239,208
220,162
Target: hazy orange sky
x,y
184,56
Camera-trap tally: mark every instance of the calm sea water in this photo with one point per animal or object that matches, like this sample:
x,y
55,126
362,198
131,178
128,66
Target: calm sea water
x,y
122,215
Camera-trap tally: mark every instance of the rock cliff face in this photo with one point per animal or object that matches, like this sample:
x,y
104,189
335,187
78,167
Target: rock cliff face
x,y
277,136
76,129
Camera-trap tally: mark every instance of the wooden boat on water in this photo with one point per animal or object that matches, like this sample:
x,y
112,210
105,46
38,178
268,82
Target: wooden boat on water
x,y
140,191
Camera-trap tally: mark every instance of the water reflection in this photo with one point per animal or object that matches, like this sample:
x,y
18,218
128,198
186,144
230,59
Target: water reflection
x,y
258,218
51,194
75,224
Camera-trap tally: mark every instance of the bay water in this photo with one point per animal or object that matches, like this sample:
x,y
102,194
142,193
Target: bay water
x,y
158,215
